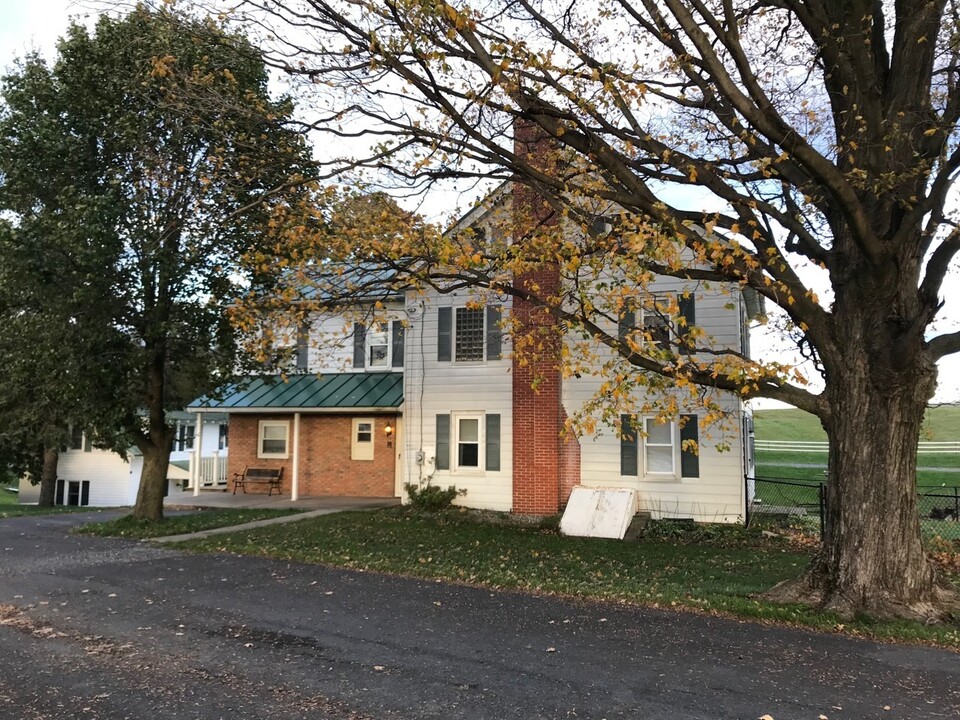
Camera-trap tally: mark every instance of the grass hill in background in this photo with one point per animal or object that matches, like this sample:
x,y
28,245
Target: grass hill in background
x,y
942,425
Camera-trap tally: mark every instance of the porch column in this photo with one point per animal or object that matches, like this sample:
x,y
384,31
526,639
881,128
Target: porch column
x,y
295,460
198,454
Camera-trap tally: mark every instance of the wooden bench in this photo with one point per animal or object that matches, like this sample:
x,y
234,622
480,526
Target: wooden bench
x,y
271,476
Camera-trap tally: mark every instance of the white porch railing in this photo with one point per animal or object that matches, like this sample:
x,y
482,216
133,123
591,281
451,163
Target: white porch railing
x,y
209,470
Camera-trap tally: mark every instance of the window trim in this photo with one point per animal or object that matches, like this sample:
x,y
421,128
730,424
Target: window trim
x,y
665,321
356,445
262,425
674,449
481,467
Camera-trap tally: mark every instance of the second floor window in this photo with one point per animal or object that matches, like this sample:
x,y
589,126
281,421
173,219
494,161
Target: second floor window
x,y
469,335
378,346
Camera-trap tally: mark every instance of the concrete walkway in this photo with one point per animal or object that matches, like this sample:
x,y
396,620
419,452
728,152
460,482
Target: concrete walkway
x,y
220,499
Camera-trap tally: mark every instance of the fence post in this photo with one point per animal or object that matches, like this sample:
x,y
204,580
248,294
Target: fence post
x,y
956,502
822,502
746,500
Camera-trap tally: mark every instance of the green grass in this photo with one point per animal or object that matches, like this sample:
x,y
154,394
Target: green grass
x,y
708,568
131,527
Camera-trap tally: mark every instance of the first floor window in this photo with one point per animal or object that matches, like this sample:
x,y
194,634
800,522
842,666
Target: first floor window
x,y
223,438
361,447
184,437
72,492
468,443
658,447
273,439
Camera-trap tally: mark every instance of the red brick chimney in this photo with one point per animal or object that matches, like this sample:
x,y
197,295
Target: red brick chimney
x,y
546,466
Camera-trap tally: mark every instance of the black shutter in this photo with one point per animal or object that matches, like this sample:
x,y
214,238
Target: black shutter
x,y
689,459
58,499
88,441
494,334
443,442
626,325
688,310
628,447
397,332
359,346
85,492
303,346
493,442
444,334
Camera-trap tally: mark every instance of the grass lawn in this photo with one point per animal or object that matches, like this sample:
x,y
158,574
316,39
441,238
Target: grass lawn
x,y
130,527
707,568
942,424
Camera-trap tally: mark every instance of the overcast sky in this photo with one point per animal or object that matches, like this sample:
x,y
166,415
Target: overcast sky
x,y
26,25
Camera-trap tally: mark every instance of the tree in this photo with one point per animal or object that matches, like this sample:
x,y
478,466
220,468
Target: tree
x,y
138,168
820,137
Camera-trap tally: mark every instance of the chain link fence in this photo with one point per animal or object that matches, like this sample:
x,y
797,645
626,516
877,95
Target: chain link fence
x,y
802,504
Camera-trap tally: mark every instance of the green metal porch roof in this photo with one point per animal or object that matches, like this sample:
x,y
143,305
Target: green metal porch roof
x,y
381,390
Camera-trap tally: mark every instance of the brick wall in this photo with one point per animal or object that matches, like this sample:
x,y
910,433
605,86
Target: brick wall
x,y
325,464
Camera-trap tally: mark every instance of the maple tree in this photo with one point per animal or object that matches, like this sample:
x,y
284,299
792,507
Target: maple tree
x,y
780,146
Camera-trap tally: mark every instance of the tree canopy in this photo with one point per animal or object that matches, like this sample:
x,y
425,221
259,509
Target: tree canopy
x,y
805,150
137,168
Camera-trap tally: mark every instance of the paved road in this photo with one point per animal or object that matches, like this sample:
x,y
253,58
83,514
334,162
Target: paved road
x,y
105,629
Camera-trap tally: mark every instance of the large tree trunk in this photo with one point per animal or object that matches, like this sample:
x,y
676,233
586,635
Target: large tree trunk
x,y
879,383
48,477
153,478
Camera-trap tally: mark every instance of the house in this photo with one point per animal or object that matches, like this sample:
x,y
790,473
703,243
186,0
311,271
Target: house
x,y
432,393
88,475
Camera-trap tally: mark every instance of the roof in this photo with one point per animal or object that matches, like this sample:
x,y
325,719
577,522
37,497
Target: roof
x,y
334,391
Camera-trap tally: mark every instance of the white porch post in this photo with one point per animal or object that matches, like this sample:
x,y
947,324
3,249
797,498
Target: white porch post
x,y
295,460
198,454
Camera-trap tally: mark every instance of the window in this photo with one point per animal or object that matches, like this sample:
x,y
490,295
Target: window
x,y
184,436
273,439
656,322
470,441
72,492
224,435
378,347
658,447
361,446
469,334
76,438
659,451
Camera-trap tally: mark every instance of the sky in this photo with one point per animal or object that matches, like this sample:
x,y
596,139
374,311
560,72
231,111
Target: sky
x,y
26,25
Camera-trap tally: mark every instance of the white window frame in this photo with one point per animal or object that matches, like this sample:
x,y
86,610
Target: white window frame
x,y
483,334
380,329
455,466
285,424
674,449
362,449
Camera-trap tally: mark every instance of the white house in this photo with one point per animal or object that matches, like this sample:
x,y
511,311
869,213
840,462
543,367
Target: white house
x,y
102,478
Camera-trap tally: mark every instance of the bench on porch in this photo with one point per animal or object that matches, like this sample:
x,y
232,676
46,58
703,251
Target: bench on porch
x,y
271,476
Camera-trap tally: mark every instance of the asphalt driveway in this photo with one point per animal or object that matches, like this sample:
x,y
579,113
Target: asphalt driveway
x,y
106,628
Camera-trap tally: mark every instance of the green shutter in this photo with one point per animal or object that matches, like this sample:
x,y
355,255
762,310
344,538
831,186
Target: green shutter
x,y
443,442
493,442
444,334
397,340
689,459
494,333
628,447
359,346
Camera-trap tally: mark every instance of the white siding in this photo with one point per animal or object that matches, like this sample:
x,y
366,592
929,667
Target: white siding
x,y
331,340
432,387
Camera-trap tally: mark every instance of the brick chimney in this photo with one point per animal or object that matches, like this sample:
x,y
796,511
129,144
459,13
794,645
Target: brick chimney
x,y
546,466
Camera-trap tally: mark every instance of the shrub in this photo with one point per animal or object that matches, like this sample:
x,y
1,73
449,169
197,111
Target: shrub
x,y
431,498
